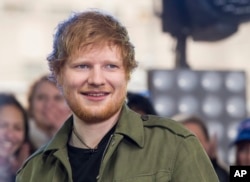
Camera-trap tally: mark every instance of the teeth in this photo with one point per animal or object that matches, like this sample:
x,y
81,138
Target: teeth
x,y
96,94
5,147
6,144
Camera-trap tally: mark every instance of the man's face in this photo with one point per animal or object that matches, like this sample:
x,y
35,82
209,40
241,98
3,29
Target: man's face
x,y
243,153
196,129
94,83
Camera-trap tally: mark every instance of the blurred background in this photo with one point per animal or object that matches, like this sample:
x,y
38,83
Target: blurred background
x,y
193,58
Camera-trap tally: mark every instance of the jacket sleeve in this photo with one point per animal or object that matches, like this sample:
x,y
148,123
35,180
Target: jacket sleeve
x,y
192,163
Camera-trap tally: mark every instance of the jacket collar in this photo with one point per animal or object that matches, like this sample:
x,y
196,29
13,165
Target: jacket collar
x,y
129,124
61,138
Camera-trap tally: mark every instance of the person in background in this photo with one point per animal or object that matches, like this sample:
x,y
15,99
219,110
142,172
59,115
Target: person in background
x,y
104,140
199,128
14,142
140,103
242,144
47,110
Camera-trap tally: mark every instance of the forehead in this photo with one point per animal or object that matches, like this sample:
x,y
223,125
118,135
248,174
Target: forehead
x,y
46,87
195,128
11,114
104,50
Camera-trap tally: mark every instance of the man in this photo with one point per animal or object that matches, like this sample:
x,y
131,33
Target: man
x,y
242,143
199,128
105,141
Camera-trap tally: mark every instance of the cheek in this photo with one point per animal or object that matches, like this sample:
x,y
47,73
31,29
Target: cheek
x,y
20,137
37,105
70,77
120,81
2,131
18,140
71,83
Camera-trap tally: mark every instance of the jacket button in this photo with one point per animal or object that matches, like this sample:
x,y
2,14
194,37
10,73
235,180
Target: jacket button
x,y
144,117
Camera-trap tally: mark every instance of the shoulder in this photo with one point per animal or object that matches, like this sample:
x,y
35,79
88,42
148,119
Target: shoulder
x,y
166,125
154,123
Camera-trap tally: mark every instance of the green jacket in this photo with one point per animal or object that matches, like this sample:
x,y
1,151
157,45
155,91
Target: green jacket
x,y
142,149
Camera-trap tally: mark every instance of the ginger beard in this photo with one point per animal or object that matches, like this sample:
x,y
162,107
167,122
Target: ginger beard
x,y
96,113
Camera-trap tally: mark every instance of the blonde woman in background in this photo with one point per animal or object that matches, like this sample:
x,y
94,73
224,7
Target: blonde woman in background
x,y
47,110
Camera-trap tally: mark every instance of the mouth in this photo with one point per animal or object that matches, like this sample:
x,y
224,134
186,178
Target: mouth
x,y
5,147
95,95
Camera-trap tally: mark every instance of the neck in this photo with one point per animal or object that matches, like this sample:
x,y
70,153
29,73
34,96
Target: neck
x,y
76,139
90,133
49,130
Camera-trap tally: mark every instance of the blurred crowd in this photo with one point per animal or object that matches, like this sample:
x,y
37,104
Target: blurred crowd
x,y
23,130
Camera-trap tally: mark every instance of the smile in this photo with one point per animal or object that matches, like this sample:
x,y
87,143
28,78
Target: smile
x,y
96,94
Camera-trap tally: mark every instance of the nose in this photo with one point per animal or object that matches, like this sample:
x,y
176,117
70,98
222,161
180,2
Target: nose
x,y
96,77
49,103
10,133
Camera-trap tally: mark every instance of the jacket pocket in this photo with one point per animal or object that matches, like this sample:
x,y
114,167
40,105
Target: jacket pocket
x,y
158,177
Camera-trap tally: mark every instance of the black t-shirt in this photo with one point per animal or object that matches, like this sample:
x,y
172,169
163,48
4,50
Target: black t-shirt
x,y
85,163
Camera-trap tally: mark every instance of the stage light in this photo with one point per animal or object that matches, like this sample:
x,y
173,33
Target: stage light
x,y
235,82
163,84
217,97
204,20
212,106
163,102
211,81
235,107
188,104
187,80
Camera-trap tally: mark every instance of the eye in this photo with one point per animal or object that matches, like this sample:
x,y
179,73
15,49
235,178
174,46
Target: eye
x,y
41,97
59,98
18,128
111,66
82,66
